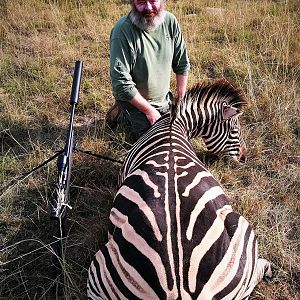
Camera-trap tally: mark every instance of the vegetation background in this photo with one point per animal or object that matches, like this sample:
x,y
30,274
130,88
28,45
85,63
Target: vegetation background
x,y
252,43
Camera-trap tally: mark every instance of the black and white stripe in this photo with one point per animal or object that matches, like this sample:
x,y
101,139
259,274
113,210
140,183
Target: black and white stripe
x,y
172,232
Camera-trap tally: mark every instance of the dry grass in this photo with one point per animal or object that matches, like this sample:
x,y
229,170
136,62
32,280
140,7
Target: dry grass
x,y
253,43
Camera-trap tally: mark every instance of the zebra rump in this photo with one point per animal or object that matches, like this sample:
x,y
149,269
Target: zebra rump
x,y
172,231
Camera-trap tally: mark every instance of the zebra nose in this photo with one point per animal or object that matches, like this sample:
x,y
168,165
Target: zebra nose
x,y
243,155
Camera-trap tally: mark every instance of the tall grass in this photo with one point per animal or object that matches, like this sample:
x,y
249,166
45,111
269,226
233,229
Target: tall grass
x,y
252,43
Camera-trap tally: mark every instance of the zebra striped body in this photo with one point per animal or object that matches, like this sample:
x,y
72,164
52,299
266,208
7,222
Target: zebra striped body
x,y
172,233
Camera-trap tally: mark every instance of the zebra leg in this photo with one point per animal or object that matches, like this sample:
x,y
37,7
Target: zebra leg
x,y
262,271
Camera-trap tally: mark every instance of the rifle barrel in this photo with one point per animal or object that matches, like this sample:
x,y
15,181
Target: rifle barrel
x,y
76,82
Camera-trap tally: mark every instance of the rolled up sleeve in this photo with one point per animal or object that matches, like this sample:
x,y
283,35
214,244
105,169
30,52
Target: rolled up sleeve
x,y
121,60
180,62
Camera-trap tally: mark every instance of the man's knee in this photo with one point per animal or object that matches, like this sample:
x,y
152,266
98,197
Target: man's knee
x,y
128,117
140,124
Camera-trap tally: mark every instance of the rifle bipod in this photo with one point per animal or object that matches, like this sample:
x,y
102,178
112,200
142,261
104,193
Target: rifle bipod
x,y
24,175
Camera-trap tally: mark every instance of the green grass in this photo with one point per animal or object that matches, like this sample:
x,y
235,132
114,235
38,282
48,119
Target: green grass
x,y
255,44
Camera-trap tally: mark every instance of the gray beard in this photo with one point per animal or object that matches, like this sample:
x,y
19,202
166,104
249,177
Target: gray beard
x,y
141,22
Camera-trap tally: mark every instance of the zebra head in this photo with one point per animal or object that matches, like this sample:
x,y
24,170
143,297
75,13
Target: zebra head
x,y
212,111
224,136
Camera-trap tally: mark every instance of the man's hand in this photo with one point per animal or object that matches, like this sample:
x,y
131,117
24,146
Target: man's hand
x,y
153,115
144,106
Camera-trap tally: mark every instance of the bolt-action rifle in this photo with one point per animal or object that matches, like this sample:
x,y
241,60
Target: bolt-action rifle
x,y
61,199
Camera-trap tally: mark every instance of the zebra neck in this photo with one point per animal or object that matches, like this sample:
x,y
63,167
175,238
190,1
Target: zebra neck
x,y
189,124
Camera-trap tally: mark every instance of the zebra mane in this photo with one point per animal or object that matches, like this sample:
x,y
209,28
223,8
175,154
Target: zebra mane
x,y
221,90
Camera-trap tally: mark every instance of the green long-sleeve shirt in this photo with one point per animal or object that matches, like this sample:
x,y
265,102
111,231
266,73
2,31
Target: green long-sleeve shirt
x,y
142,60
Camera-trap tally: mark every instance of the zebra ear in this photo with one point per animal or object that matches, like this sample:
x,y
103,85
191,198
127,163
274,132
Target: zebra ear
x,y
230,111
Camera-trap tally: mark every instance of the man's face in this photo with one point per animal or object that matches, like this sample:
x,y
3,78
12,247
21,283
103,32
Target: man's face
x,y
147,15
148,9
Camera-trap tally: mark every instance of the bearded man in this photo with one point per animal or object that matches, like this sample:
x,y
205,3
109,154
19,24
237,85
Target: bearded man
x,y
145,46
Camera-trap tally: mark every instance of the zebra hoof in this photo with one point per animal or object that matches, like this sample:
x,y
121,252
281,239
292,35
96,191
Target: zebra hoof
x,y
268,272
